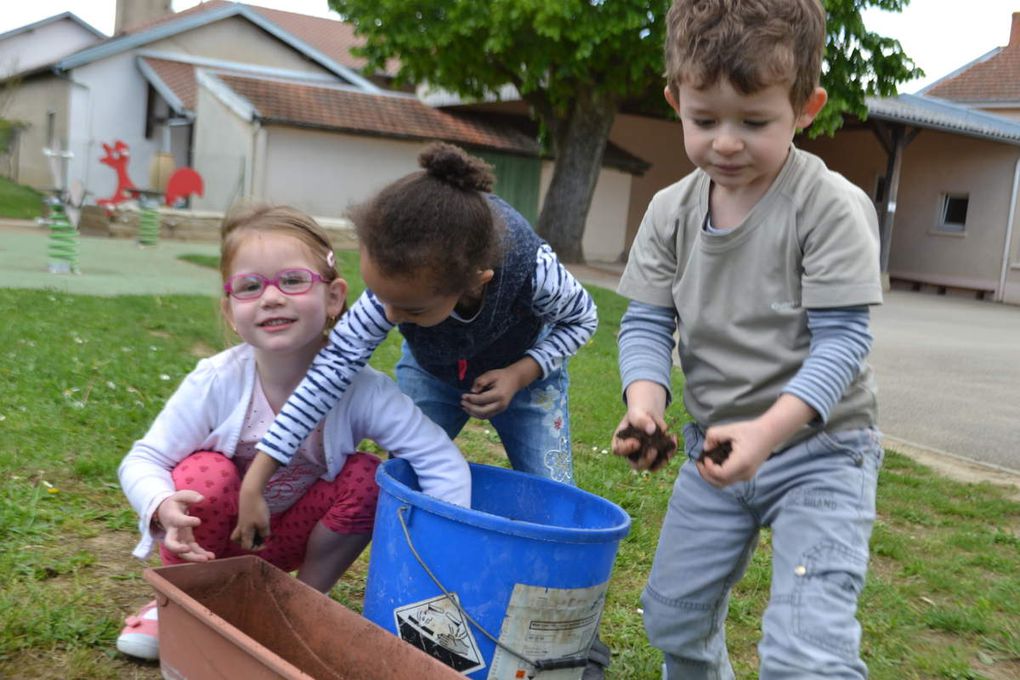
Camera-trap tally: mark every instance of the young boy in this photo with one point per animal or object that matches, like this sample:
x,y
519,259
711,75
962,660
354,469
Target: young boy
x,y
766,262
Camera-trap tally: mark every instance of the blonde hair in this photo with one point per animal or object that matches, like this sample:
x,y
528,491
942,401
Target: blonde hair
x,y
277,219
751,43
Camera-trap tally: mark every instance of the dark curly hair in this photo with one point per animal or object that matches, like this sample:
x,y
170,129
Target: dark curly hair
x,y
436,220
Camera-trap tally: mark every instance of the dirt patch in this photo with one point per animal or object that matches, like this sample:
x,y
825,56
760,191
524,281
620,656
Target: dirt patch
x,y
201,350
116,579
959,469
984,664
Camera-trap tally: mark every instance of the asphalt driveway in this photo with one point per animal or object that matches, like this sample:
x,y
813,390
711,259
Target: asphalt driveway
x,y
948,373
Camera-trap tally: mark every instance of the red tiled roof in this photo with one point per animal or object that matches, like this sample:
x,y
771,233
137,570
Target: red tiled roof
x,y
994,78
347,110
332,37
178,76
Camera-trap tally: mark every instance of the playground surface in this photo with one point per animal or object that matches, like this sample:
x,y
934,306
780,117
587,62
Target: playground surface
x,y
109,266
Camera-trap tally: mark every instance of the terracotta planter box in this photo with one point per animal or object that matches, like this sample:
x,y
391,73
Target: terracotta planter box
x,y
242,617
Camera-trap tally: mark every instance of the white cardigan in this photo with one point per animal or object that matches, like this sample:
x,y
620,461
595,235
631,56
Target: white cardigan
x,y
207,411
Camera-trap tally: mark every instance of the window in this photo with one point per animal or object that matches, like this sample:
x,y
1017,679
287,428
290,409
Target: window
x,y
952,216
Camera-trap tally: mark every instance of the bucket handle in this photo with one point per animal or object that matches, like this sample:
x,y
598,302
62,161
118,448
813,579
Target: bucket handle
x,y
574,661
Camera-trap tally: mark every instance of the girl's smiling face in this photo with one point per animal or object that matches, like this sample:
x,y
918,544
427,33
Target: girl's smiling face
x,y
276,322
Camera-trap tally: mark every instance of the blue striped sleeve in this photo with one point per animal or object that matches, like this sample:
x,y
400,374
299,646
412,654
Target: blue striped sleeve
x,y
351,343
840,340
646,345
566,308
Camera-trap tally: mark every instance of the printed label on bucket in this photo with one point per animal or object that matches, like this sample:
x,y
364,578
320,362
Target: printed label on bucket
x,y
437,627
547,623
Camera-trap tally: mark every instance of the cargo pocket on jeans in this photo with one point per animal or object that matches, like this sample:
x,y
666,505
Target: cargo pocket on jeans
x,y
830,581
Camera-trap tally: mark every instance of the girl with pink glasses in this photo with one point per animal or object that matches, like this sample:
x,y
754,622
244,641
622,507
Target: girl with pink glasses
x,y
282,295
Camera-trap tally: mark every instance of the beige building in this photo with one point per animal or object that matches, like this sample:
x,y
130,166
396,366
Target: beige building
x,y
270,105
266,105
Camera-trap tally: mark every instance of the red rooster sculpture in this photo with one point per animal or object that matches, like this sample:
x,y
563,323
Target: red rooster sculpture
x,y
183,182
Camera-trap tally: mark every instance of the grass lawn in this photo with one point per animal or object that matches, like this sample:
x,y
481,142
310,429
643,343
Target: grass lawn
x,y
19,202
84,376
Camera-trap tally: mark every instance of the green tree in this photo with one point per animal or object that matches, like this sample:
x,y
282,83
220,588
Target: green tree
x,y
577,62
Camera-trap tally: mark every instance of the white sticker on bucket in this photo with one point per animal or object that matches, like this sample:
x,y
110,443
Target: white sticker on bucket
x,y
547,623
437,627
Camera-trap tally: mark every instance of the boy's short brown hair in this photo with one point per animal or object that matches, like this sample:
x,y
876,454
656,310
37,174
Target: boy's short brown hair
x,y
751,43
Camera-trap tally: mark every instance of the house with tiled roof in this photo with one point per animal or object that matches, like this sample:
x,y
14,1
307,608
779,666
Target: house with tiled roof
x,y
943,169
945,179
991,82
29,46
268,105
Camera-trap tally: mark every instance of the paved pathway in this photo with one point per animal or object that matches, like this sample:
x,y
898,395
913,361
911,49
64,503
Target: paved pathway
x,y
109,266
948,368
949,375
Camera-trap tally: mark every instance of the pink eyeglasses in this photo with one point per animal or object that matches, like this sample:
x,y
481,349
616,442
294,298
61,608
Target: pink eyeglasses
x,y
287,281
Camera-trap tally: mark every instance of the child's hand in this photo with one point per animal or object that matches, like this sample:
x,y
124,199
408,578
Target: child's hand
x,y
751,445
173,515
641,436
252,528
490,394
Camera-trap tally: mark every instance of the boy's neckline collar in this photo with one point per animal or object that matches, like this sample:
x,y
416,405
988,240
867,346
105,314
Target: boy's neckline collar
x,y
705,193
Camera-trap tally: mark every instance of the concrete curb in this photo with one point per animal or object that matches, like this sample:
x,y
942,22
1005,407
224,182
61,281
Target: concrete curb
x,y
956,467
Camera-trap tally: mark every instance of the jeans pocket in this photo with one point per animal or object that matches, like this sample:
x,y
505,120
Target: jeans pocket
x,y
694,439
830,581
862,446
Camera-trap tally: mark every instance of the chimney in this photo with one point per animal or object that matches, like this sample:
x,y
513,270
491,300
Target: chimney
x,y
132,13
1014,31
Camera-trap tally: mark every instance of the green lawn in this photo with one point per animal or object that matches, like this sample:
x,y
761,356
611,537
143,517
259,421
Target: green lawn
x,y
84,376
19,202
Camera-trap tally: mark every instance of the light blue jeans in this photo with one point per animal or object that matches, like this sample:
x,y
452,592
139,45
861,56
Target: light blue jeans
x,y
535,427
819,499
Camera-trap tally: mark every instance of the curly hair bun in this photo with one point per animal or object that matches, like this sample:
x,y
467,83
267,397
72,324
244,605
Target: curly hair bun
x,y
453,165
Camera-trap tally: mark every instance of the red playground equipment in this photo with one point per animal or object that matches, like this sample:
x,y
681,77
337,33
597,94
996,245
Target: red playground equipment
x,y
183,183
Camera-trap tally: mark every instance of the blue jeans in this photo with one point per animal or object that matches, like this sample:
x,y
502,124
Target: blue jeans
x,y
535,427
819,499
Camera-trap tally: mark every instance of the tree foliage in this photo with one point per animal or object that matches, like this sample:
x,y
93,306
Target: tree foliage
x,y
577,62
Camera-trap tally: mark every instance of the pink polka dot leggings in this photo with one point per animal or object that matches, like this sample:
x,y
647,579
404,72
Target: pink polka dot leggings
x,y
346,505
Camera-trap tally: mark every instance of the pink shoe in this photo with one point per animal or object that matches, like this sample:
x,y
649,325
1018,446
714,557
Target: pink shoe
x,y
140,637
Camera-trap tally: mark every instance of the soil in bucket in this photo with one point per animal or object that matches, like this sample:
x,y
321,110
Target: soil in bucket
x,y
512,587
241,617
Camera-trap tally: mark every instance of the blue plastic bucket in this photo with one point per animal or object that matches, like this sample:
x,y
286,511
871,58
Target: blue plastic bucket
x,y
528,564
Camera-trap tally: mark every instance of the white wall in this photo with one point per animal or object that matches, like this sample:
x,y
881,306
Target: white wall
x,y
110,104
324,173
222,153
43,45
